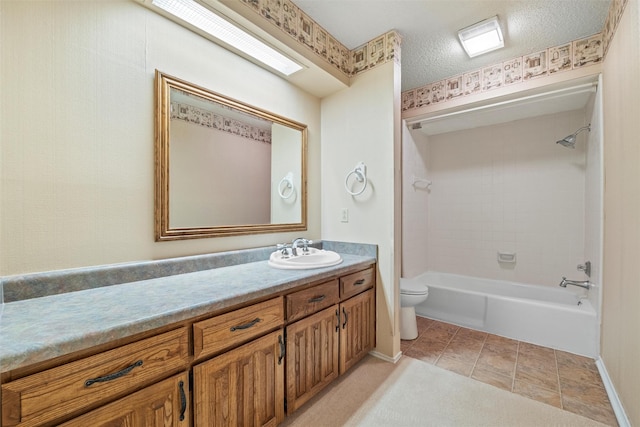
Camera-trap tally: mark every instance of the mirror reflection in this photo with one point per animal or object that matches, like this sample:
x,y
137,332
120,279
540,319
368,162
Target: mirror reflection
x,y
224,167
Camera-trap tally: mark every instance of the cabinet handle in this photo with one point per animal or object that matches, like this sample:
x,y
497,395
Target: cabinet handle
x,y
113,376
359,282
338,320
246,325
318,298
183,400
282,349
346,317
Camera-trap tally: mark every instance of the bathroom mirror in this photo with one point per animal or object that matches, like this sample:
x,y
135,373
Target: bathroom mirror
x,y
224,167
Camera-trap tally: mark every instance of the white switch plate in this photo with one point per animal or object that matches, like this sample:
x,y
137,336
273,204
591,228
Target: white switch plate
x,y
344,215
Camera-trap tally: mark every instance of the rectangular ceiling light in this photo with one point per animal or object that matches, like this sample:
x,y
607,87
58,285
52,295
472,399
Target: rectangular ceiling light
x,y
209,22
482,37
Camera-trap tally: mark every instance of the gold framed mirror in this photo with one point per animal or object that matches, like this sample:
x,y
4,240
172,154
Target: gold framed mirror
x,y
223,167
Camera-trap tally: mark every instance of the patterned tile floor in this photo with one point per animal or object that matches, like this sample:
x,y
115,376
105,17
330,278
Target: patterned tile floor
x,y
550,376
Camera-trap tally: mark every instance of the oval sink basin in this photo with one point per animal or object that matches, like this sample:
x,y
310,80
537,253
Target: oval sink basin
x,y
315,258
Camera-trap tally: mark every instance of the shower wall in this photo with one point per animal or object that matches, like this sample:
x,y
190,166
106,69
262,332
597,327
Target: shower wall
x,y
502,188
415,203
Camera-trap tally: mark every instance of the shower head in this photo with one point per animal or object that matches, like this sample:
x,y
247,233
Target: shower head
x,y
570,141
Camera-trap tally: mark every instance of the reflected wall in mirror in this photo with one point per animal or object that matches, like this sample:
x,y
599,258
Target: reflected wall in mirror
x,y
224,167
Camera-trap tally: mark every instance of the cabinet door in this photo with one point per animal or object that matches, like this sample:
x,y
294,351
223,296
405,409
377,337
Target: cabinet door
x,y
160,405
242,387
358,328
312,356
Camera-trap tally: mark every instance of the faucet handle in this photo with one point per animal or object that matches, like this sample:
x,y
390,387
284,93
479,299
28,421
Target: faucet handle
x,y
284,249
586,267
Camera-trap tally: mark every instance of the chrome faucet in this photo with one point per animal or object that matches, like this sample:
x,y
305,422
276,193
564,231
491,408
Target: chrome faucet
x,y
300,241
585,284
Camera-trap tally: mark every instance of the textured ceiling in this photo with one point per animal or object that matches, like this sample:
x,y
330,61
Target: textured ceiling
x,y
430,47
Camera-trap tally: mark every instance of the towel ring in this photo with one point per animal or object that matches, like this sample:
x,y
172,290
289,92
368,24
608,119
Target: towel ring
x,y
360,173
288,181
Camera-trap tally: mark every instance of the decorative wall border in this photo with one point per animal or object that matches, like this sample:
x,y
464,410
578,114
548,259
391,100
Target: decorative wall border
x,y
202,117
292,21
577,54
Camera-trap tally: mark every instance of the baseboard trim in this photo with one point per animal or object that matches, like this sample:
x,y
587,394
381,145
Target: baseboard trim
x,y
621,416
386,358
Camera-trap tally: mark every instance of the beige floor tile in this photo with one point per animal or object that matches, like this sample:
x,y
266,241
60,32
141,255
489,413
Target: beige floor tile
x,y
439,332
533,350
489,376
497,360
470,335
603,413
538,376
425,350
454,363
535,392
496,341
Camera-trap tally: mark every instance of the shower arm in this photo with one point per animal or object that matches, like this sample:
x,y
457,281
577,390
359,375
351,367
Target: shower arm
x,y
588,127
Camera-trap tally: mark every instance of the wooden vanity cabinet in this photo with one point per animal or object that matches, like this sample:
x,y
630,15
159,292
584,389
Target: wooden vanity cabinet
x,y
358,328
231,369
312,356
328,342
242,387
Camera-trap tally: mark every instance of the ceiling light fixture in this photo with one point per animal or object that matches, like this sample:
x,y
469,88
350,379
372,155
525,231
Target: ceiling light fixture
x,y
204,19
483,37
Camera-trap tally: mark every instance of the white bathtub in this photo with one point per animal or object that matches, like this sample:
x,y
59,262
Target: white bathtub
x,y
551,317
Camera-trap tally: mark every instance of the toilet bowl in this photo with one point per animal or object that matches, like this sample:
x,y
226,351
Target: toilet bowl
x,y
412,293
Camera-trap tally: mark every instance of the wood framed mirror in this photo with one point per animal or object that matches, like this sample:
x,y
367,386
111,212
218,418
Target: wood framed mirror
x,y
223,167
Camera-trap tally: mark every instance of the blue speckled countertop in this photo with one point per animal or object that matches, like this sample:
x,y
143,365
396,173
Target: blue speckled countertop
x,y
38,329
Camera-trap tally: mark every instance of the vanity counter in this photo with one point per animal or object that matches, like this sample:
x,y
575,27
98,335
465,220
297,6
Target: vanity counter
x,y
39,329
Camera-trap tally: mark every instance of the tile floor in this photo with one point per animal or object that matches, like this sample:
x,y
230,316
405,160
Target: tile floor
x,y
550,376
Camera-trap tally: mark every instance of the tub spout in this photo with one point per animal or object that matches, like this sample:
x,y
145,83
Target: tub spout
x,y
585,284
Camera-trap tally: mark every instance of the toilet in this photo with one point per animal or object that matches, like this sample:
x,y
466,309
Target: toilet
x,y
412,293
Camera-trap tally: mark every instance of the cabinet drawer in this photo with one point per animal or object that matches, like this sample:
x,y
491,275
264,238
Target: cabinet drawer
x,y
231,329
357,282
159,405
302,303
67,389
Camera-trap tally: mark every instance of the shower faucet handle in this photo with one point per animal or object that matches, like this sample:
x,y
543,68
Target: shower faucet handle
x,y
586,267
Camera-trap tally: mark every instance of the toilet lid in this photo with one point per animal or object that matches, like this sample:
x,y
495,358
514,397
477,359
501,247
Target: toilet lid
x,y
412,287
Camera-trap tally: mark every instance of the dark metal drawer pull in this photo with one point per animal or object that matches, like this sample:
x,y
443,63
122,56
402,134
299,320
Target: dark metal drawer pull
x,y
359,282
318,298
246,325
183,400
113,376
282,349
346,318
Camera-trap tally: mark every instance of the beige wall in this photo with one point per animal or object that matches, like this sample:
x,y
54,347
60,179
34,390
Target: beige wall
x,y
77,131
358,126
621,282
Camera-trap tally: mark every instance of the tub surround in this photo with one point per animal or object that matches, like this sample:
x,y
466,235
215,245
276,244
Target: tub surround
x,y
78,309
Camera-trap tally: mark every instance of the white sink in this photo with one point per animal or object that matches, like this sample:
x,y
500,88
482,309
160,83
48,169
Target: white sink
x,y
314,258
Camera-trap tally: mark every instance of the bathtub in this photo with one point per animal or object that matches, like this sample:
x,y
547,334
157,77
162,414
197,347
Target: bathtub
x,y
552,317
